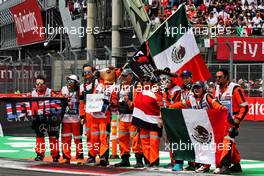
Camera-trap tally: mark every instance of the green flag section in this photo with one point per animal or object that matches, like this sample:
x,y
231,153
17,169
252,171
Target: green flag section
x,y
196,135
173,45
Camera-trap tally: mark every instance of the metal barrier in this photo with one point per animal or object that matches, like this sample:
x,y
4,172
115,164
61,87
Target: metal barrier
x,y
18,76
249,76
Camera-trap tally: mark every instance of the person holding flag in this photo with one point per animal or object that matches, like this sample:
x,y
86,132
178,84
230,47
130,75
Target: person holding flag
x,y
171,93
199,100
146,116
227,91
187,83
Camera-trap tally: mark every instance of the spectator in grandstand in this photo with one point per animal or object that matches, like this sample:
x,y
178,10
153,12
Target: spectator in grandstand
x,y
211,20
70,6
77,7
236,14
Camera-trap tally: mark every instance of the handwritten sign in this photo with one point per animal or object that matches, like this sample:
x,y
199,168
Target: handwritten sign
x,y
94,103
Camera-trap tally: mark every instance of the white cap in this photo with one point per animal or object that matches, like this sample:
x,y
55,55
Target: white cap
x,y
73,77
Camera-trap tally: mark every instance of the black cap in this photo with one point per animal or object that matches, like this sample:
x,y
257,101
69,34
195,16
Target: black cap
x,y
186,73
126,72
199,84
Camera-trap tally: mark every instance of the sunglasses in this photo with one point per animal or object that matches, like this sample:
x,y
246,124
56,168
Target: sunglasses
x,y
219,76
87,72
70,81
124,76
40,83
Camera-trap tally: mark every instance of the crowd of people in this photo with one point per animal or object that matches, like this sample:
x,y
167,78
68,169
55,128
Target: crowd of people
x,y
237,17
77,8
138,105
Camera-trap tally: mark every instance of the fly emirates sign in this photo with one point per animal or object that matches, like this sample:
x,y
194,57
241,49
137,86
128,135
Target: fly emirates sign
x,y
256,109
244,49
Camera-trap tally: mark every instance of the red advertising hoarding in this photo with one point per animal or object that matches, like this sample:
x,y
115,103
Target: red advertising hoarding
x,y
244,49
256,109
10,73
28,22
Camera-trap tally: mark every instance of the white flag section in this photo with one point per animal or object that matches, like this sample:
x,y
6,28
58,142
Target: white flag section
x,y
168,57
94,103
205,147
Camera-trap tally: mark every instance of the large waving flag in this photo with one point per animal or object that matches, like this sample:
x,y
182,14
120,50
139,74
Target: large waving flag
x,y
196,135
173,45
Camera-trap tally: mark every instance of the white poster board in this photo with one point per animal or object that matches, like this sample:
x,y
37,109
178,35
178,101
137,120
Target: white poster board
x,y
94,103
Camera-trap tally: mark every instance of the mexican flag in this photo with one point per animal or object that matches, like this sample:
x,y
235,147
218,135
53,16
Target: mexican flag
x,y
196,135
173,45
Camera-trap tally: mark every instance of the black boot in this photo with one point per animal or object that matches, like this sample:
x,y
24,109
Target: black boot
x,y
104,161
146,161
139,158
124,162
39,158
236,168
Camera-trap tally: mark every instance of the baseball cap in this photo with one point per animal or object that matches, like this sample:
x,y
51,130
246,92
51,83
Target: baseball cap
x,y
73,77
186,73
127,71
198,84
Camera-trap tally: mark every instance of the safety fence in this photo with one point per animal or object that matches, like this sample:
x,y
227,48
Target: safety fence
x,y
19,75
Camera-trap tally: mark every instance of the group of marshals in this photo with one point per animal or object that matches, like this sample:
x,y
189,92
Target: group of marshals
x,y
139,122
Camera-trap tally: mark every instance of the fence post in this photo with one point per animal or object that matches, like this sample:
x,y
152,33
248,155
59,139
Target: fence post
x,y
109,52
52,70
62,68
33,74
262,79
230,59
41,65
75,62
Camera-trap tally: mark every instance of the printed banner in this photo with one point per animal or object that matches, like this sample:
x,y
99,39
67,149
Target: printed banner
x,y
25,116
244,49
28,22
256,109
7,73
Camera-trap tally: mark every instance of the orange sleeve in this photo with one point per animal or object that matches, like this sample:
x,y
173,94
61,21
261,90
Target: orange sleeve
x,y
159,99
114,99
214,103
82,108
181,105
240,105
